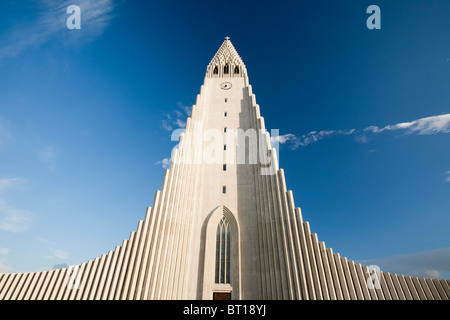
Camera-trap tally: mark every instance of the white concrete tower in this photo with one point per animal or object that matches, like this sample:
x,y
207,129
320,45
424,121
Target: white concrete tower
x,y
226,188
217,193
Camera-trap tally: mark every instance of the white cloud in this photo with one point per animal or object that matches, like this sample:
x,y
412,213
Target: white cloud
x,y
309,138
43,240
60,254
12,218
284,138
165,163
176,118
431,264
361,138
186,109
166,126
433,274
428,125
180,123
447,179
4,251
95,17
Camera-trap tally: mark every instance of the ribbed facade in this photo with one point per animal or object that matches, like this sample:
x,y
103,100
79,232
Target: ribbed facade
x,y
271,250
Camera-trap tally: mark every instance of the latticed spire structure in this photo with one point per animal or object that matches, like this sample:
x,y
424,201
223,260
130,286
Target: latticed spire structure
x,y
226,62
224,225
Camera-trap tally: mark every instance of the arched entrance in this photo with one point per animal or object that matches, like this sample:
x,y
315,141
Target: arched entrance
x,y
221,277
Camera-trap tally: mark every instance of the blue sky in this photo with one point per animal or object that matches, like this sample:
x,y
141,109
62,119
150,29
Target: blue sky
x,y
86,118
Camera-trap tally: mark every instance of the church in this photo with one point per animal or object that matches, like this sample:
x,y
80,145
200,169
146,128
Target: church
x,y
224,226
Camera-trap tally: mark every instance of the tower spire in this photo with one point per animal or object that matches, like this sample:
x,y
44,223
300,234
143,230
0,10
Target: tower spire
x,y
226,62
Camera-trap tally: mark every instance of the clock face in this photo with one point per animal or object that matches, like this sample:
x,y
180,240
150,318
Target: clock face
x,y
225,85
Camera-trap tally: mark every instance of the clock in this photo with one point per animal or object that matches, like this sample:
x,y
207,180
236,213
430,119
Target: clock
x,y
225,85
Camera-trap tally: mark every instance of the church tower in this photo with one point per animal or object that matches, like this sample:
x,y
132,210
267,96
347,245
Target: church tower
x,y
224,225
213,181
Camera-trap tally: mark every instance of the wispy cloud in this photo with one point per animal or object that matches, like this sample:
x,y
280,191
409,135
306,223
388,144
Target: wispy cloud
x,y
176,118
292,138
12,218
428,125
429,264
59,254
9,183
43,240
309,138
51,22
447,178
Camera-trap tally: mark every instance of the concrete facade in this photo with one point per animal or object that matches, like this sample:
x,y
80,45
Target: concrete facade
x,y
224,169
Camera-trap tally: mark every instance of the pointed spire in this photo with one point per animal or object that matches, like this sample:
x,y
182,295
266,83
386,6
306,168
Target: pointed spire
x,y
227,54
226,61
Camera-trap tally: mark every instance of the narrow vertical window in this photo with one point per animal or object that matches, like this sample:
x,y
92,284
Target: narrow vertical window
x,y
225,114
225,129
236,70
224,189
224,167
222,274
224,147
216,70
226,99
226,69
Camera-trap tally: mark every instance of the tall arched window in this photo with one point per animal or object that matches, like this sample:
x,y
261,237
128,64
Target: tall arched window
x,y
226,69
236,70
223,252
216,70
